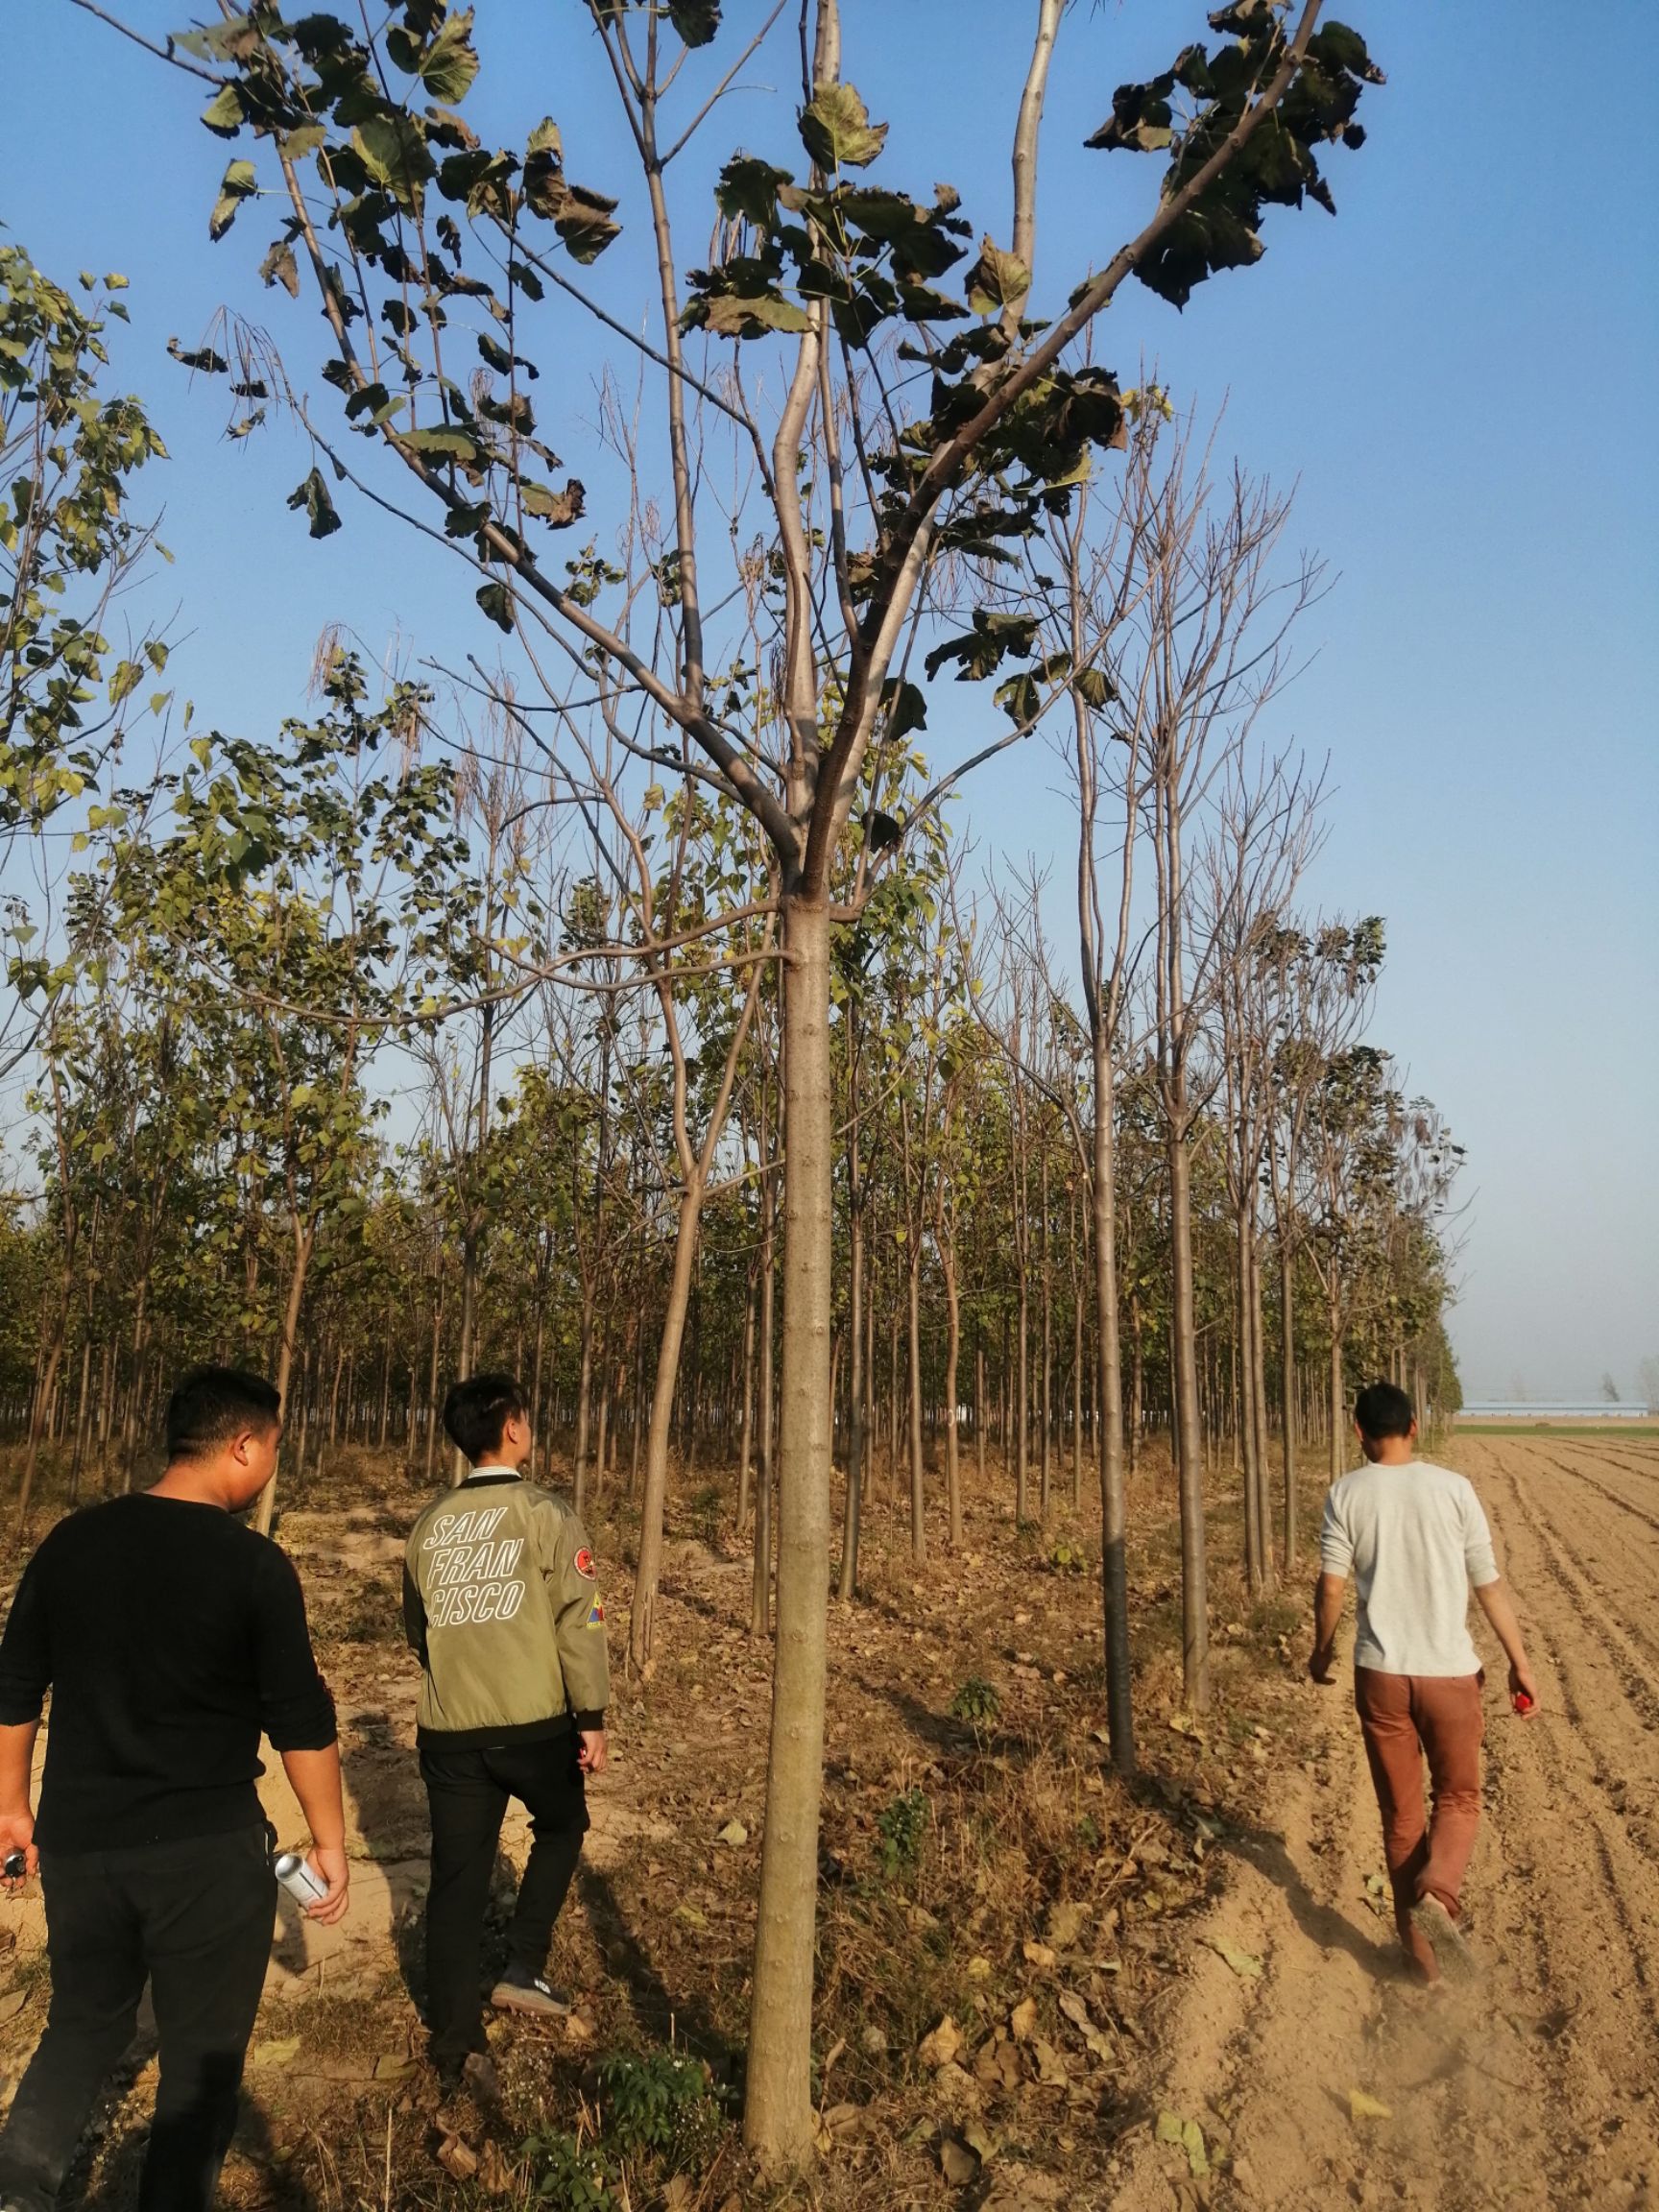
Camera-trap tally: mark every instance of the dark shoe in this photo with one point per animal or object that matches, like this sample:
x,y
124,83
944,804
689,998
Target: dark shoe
x,y
520,1992
1445,1939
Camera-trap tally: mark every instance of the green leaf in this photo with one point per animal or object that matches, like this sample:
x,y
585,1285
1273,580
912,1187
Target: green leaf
x,y
905,706
1094,687
1019,697
559,509
695,21
837,132
234,186
313,497
223,114
748,189
446,439
496,602
731,316
204,358
449,65
279,267
393,150
996,280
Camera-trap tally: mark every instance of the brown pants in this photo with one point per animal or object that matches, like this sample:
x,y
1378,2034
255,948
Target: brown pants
x,y
1404,1717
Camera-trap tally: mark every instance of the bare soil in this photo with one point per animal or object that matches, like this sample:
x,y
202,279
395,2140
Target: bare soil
x,y
1031,1976
1539,2086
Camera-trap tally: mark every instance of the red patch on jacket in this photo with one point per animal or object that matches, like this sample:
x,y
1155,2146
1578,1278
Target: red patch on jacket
x,y
583,1564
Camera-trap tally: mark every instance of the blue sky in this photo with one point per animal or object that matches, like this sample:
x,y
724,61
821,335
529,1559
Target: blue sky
x,y
1456,374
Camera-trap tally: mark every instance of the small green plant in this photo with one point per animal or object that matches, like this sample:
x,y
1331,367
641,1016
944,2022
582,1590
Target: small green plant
x,y
1067,1557
662,2103
902,1825
977,1702
568,2175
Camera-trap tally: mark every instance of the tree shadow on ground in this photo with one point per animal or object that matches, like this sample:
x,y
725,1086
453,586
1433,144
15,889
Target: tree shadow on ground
x,y
659,2012
1330,1929
108,2166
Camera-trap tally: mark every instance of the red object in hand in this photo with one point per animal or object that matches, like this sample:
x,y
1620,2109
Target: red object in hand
x,y
1521,1702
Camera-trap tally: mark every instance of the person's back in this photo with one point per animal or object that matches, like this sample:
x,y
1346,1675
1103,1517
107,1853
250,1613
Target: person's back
x,y
1415,1540
501,1604
171,1635
167,1637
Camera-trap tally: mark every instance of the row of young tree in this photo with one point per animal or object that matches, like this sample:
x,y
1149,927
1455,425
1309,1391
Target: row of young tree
x,y
615,1003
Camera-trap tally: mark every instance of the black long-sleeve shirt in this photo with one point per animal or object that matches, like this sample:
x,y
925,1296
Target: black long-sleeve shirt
x,y
169,1635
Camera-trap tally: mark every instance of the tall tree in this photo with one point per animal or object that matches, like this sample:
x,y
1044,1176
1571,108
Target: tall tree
x,y
1004,423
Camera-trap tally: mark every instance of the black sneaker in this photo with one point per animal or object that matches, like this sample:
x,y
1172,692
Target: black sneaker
x,y
520,1992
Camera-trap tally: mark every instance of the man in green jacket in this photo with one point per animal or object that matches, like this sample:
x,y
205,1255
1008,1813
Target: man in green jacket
x,y
501,1604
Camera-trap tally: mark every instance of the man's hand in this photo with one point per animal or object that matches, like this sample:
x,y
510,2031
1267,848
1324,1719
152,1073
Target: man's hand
x,y
328,1863
1522,1684
1319,1666
591,1754
17,1833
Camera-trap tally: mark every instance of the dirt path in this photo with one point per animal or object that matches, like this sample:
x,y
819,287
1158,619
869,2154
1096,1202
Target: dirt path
x,y
1541,2089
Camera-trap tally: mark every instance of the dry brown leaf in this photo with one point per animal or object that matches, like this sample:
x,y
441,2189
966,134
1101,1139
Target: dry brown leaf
x,y
1065,1924
275,2051
457,2159
1051,2067
393,2066
977,1969
940,2045
957,2163
1023,2020
1363,2107
733,1832
1078,2014
1039,1954
497,2175
13,2003
576,2029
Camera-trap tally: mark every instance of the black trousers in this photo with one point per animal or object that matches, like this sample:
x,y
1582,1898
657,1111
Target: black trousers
x,y
195,1919
469,1791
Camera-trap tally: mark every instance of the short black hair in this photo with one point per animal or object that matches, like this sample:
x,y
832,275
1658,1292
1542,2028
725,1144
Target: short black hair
x,y
1383,1410
478,1410
209,1406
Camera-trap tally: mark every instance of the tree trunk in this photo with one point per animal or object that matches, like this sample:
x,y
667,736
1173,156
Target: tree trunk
x,y
952,1351
779,2113
1188,1442
1246,1425
760,1606
651,1510
1338,1397
585,1400
746,1433
1114,1496
1022,1401
848,1583
432,1383
39,1413
265,1510
918,1494
1048,1298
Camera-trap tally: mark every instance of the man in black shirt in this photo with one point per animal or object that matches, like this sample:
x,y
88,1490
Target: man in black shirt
x,y
169,1635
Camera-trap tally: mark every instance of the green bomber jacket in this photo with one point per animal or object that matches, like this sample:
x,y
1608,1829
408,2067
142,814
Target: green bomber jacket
x,y
501,1602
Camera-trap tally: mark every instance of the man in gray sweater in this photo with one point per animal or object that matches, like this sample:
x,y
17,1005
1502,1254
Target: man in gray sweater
x,y
1415,1540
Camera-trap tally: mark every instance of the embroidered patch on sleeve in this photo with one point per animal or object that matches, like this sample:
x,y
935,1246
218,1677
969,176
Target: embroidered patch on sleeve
x,y
583,1565
596,1614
